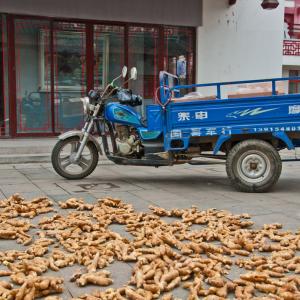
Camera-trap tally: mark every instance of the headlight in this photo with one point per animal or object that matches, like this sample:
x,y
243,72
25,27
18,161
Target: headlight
x,y
86,105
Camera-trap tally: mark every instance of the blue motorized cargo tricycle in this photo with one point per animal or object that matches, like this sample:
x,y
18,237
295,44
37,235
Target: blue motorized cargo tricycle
x,y
247,131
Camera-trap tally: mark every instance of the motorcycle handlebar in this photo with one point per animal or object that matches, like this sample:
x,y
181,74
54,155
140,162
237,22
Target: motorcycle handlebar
x,y
125,96
94,95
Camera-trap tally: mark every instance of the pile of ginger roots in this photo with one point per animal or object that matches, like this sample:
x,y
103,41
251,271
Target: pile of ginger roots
x,y
189,248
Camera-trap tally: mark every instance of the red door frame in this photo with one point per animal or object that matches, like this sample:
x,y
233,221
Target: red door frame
x,y
2,82
89,56
11,76
52,87
89,25
12,80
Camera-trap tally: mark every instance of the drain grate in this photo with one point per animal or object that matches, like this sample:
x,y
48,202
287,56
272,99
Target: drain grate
x,y
102,185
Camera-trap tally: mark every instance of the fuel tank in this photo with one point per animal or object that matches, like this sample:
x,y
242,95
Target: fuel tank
x,y
123,114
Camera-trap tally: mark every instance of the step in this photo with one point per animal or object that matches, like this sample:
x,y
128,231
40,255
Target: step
x,y
26,150
30,150
24,158
27,146
37,158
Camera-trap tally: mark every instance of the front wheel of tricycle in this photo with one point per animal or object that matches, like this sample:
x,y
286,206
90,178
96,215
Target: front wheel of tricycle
x,y
63,158
253,166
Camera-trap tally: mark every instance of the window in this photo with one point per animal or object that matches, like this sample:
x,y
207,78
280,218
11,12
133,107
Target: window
x,y
294,85
57,61
179,53
108,53
143,54
33,90
69,47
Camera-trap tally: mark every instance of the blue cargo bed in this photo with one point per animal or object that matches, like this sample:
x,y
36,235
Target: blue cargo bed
x,y
221,118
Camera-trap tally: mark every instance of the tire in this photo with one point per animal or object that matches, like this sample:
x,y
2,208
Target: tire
x,y
253,166
56,161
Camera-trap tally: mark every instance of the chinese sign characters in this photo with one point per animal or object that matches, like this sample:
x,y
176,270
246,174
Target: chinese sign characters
x,y
294,109
186,116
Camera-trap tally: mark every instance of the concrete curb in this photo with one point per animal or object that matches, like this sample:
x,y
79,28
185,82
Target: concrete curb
x,y
38,158
46,158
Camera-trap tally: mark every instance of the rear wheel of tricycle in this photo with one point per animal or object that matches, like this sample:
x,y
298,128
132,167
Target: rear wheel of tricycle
x,y
253,166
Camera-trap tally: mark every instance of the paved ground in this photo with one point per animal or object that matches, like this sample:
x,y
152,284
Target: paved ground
x,y
169,187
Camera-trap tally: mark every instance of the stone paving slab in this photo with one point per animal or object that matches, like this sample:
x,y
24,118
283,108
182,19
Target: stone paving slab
x,y
170,187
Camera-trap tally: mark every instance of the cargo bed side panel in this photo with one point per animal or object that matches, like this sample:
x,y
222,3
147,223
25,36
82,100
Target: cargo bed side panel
x,y
234,116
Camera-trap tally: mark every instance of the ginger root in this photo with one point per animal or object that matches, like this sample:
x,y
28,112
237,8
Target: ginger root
x,y
165,254
101,278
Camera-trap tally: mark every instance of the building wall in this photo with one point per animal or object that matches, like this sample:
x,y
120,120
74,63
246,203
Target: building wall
x,y
291,60
240,42
170,12
291,57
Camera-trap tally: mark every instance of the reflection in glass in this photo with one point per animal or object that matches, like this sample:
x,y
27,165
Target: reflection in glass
x,y
179,55
69,74
108,53
35,62
32,54
143,54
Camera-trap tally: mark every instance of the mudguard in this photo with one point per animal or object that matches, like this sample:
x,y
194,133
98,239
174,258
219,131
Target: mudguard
x,y
79,133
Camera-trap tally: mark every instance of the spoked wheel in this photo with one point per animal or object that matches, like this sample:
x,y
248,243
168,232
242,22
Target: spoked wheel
x,y
63,158
253,166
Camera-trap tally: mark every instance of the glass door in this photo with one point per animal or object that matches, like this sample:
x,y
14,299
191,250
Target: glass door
x,y
69,47
56,61
108,53
2,101
179,53
32,64
143,54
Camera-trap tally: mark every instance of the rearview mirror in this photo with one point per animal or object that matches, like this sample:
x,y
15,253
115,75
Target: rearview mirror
x,y
133,73
124,71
